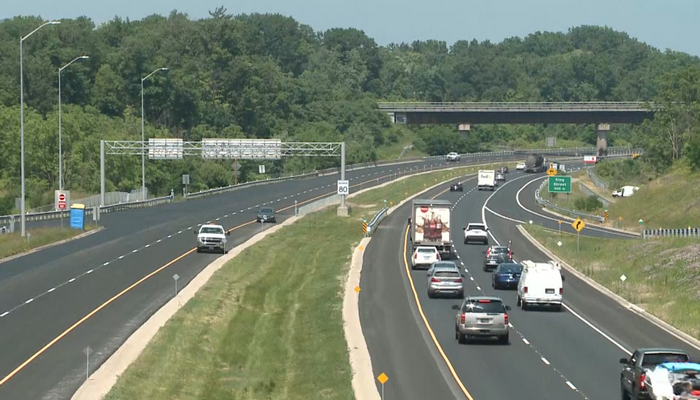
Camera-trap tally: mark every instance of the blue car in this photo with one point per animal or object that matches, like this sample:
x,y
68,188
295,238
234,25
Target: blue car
x,y
506,276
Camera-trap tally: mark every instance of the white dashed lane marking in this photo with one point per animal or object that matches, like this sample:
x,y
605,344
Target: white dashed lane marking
x,y
334,184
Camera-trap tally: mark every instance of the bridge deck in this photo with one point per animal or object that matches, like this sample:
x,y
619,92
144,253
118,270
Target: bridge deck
x,y
518,107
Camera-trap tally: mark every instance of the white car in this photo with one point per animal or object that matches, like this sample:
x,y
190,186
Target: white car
x,y
520,166
452,156
212,237
625,191
424,256
476,232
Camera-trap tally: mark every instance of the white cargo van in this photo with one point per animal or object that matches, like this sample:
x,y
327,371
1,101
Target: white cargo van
x,y
541,284
487,179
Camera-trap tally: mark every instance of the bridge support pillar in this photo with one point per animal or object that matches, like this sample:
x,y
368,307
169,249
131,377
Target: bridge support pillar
x,y
602,131
464,129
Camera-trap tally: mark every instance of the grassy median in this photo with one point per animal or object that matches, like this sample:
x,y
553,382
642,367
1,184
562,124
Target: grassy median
x,y
268,325
662,274
13,243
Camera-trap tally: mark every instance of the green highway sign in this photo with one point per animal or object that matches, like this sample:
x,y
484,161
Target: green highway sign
x,y
559,184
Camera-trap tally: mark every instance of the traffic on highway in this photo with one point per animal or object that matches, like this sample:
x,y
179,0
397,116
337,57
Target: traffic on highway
x,y
501,318
124,274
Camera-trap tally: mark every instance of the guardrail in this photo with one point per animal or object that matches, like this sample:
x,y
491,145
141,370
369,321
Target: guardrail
x,y
135,204
685,232
596,181
550,205
208,192
11,219
376,220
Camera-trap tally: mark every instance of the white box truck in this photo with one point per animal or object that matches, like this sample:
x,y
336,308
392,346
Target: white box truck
x,y
430,225
487,179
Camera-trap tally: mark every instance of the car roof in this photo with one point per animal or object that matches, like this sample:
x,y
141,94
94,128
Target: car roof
x,y
492,298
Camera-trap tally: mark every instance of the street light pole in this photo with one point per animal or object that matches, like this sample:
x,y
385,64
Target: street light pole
x,y
21,106
60,150
143,137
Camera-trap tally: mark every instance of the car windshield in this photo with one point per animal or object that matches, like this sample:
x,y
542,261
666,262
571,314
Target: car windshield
x,y
510,268
426,250
660,358
208,229
446,274
266,211
484,306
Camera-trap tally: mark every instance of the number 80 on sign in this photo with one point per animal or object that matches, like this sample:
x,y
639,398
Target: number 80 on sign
x,y
343,187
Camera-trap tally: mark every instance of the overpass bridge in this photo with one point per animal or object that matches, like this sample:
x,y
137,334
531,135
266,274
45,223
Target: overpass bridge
x,y
464,114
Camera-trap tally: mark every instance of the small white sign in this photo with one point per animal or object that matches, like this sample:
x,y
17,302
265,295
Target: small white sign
x,y
344,187
559,243
61,199
261,169
623,278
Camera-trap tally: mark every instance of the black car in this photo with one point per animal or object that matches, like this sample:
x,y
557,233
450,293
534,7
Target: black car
x,y
456,187
266,214
493,260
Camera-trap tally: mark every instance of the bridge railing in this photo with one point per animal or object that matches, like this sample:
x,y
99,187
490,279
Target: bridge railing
x,y
519,106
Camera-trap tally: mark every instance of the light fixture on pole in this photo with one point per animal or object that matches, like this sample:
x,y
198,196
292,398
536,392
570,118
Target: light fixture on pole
x,y
21,106
60,150
143,137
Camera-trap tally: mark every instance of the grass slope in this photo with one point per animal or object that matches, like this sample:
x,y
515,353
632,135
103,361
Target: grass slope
x,y
268,325
13,243
668,201
662,274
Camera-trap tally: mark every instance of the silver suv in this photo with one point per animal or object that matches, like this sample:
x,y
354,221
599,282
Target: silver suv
x,y
444,278
481,316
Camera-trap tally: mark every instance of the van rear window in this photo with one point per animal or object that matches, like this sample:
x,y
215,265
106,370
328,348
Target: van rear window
x,y
494,306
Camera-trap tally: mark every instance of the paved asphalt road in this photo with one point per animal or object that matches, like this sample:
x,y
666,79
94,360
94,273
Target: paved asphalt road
x,y
564,355
43,295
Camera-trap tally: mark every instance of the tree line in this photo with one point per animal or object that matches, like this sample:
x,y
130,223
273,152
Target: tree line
x,y
268,76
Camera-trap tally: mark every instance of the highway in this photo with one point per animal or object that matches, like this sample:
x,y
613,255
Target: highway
x,y
564,355
98,290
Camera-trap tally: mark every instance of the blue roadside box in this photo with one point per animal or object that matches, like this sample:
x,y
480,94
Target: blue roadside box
x,y
77,216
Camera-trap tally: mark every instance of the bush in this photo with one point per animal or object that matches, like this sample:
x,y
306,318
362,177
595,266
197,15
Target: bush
x,y
588,204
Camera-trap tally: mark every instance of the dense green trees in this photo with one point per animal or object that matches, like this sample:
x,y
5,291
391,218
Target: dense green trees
x,y
264,76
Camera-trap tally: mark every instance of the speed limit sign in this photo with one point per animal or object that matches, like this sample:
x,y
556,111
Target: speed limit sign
x,y
343,187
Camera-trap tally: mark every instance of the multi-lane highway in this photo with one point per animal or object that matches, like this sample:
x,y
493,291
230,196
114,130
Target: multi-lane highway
x,y
96,291
564,355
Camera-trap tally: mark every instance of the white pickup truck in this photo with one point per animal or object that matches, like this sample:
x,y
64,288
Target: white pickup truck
x,y
487,179
476,232
212,237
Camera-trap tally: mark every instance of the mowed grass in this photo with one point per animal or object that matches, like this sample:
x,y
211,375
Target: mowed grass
x,y
268,324
13,243
668,201
663,275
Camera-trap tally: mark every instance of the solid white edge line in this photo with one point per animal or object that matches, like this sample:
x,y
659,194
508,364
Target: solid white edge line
x,y
596,329
597,229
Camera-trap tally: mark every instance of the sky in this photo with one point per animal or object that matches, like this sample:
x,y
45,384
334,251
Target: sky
x,y
667,24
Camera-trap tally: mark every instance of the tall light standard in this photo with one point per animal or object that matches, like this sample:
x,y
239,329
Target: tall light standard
x,y
143,136
21,106
60,152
